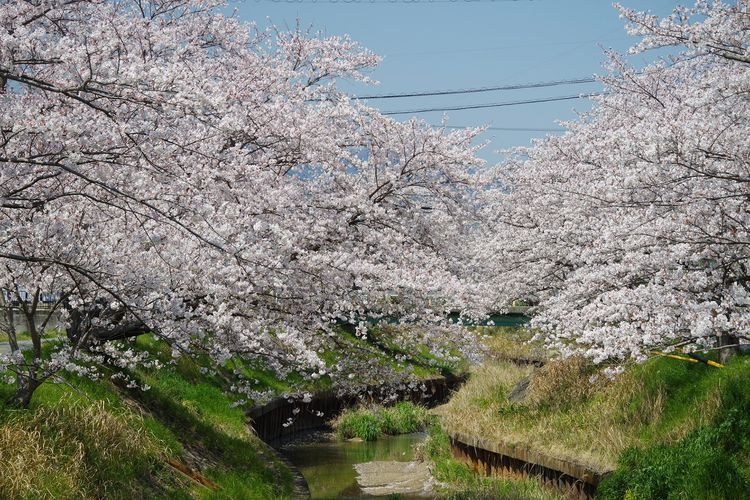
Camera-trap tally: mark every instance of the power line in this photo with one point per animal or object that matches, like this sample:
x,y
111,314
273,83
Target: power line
x,y
393,2
518,86
493,105
504,129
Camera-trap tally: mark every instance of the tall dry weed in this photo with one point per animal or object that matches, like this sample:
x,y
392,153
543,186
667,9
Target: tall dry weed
x,y
72,450
33,467
562,383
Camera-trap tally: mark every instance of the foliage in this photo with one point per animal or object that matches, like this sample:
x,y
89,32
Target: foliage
x,y
370,423
403,418
92,439
629,231
72,446
148,184
359,423
561,383
512,343
704,464
711,461
659,402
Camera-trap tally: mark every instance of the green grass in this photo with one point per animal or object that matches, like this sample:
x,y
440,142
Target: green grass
x,y
711,461
92,439
505,343
23,336
459,481
78,442
369,423
187,415
658,424
396,348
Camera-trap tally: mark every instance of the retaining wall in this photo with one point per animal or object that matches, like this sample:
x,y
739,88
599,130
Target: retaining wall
x,y
573,479
269,420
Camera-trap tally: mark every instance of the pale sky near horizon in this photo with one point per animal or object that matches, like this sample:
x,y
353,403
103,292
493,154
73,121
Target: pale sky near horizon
x,y
447,45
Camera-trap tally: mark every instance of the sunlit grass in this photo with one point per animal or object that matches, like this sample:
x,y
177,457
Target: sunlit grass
x,y
567,414
512,343
371,422
79,443
92,439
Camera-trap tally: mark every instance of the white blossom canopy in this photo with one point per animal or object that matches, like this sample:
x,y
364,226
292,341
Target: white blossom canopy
x,y
165,166
630,231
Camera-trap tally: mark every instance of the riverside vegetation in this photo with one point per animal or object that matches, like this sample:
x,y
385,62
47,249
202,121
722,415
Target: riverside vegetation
x,y
185,437
667,428
98,439
455,480
370,423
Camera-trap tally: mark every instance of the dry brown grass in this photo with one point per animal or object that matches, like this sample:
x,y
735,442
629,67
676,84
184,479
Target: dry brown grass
x,y
32,468
513,343
61,451
561,383
564,414
550,419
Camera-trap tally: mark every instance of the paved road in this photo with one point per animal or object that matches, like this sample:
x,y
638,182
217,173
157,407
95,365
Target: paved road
x,y
23,344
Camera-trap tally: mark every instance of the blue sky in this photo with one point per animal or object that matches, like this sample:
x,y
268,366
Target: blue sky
x,y
467,44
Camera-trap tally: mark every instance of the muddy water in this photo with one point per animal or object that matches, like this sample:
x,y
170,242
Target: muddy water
x,y
328,464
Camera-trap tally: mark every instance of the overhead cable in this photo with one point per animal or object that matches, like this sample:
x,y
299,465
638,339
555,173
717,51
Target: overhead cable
x,y
504,129
393,2
492,105
517,86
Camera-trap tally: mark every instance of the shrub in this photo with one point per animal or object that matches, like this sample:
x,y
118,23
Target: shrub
x,y
370,423
361,423
403,418
562,383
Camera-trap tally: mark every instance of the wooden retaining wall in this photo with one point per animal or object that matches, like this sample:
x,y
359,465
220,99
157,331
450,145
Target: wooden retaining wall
x,y
573,479
269,420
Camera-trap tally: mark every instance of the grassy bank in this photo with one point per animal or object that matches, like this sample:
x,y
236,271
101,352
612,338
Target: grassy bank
x,y
185,437
667,426
181,439
456,480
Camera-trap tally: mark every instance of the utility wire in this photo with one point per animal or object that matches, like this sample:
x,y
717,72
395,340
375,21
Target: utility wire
x,y
504,129
412,2
518,86
492,105
506,47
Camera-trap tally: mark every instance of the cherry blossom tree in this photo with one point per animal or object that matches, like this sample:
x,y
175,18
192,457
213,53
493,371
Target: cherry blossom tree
x,y
630,231
166,168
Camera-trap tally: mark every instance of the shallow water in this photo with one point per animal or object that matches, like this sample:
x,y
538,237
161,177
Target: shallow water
x,y
328,464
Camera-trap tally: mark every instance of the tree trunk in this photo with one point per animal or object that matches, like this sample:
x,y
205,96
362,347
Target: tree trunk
x,y
726,353
25,388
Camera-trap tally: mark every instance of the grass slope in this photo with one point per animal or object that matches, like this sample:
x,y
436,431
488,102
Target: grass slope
x,y
180,439
97,439
671,429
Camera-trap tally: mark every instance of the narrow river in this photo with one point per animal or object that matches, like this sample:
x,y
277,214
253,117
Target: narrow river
x,y
328,464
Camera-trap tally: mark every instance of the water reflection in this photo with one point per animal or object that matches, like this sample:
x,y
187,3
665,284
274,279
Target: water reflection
x,y
328,464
